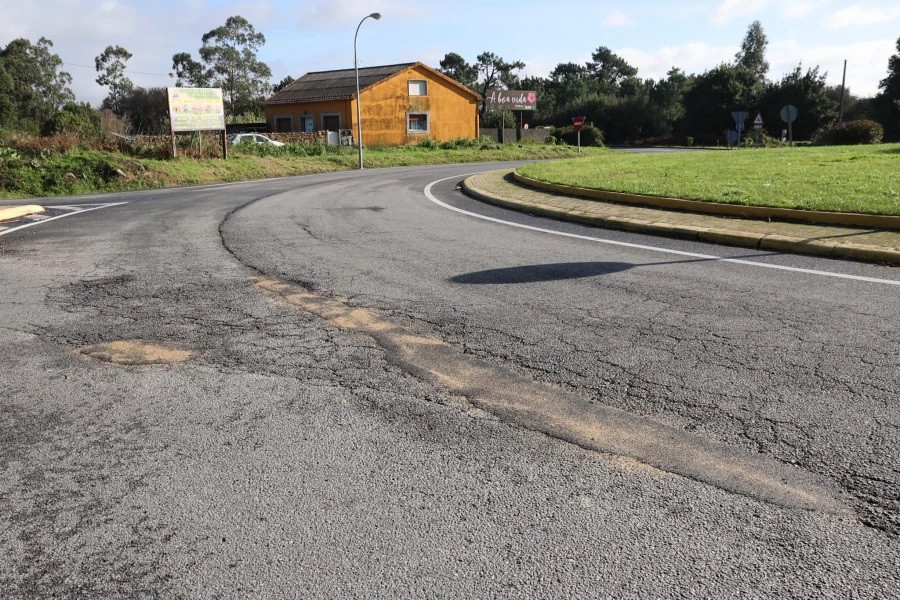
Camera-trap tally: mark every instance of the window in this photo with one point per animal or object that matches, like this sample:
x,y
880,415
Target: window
x,y
418,88
417,122
331,121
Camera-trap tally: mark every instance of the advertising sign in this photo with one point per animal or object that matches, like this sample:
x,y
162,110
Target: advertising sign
x,y
510,100
196,109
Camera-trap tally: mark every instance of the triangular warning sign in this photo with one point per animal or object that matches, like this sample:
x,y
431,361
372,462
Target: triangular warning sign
x,y
758,120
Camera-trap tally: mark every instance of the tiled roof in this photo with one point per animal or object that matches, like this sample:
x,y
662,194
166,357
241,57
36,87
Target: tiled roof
x,y
333,85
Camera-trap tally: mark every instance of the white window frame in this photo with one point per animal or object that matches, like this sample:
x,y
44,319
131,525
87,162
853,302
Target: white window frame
x,y
410,83
427,121
291,117
331,114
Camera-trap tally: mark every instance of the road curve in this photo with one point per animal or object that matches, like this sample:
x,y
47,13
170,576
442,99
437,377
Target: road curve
x,y
333,386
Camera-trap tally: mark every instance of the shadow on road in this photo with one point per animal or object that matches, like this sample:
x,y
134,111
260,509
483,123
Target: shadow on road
x,y
538,273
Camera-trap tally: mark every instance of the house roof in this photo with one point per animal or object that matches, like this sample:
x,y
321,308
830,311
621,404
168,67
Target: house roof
x,y
341,84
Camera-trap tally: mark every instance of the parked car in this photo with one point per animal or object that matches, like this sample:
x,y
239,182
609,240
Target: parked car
x,y
256,138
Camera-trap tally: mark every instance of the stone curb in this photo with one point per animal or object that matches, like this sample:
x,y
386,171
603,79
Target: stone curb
x,y
15,212
780,243
717,208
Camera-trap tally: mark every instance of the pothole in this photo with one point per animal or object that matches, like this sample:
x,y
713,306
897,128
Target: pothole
x,y
136,352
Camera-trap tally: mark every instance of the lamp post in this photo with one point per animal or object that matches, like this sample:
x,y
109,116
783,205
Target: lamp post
x,y
375,16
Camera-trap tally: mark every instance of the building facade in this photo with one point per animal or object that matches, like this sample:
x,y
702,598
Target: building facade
x,y
401,105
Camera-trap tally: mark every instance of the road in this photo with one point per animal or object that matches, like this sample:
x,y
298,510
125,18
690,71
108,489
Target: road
x,y
340,386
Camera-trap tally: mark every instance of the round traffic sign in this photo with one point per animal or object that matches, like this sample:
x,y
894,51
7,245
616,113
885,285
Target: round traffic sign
x,y
789,113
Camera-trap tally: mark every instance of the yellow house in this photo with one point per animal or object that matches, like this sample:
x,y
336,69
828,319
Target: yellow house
x,y
401,104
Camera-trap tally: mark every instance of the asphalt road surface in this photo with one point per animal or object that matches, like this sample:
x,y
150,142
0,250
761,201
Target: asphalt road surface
x,y
368,385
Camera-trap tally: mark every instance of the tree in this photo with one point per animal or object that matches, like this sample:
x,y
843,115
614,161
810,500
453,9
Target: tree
x,y
188,72
111,68
7,108
229,61
887,103
283,84
39,88
711,98
610,70
494,71
809,93
455,66
147,110
752,55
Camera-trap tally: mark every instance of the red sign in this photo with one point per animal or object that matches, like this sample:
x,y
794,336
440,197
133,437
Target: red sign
x,y
578,123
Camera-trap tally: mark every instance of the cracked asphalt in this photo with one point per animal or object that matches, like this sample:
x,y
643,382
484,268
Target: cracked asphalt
x,y
288,455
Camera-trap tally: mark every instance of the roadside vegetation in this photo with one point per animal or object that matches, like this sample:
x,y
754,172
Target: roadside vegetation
x,y
864,179
63,164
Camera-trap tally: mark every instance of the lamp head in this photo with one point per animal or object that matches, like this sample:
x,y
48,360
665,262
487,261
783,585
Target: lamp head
x,y
375,16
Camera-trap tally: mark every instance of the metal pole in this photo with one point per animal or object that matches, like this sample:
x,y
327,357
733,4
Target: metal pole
x,y
375,16
843,82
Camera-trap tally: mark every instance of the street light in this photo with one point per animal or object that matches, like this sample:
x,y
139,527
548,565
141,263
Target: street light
x,y
375,16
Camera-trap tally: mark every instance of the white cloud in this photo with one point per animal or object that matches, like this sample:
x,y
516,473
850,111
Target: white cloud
x,y
729,10
344,13
802,10
866,62
859,16
616,19
695,57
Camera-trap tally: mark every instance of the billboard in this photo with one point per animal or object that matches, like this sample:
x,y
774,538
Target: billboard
x,y
510,100
196,109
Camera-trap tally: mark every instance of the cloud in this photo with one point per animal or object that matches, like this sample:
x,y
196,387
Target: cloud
x,y
858,16
866,62
729,10
694,57
616,19
344,13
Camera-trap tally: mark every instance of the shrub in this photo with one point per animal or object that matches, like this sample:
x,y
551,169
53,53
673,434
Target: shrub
x,y
862,131
427,143
590,135
80,119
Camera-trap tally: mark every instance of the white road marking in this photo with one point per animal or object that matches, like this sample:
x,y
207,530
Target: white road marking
x,y
709,257
68,214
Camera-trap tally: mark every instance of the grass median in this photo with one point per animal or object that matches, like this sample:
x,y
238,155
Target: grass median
x,y
863,179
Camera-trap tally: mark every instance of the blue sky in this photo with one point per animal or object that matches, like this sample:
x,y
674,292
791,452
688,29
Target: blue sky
x,y
312,35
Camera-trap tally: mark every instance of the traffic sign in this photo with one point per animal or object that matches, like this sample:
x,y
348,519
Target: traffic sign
x,y
789,113
758,121
578,122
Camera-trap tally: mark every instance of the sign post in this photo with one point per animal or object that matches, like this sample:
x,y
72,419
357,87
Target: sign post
x,y
757,126
196,109
578,123
739,117
789,115
512,100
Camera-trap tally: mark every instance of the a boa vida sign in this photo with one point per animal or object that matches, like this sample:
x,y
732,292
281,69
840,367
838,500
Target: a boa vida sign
x,y
510,100
196,109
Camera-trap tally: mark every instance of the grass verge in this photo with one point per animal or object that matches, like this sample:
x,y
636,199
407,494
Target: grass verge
x,y
864,179
84,171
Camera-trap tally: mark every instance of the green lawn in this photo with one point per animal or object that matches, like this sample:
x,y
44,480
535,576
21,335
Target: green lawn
x,y
863,179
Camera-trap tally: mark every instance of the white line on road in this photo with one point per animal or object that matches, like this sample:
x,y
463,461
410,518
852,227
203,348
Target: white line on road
x,y
709,257
69,214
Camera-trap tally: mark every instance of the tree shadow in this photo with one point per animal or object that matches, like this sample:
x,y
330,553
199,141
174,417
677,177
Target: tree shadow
x,y
539,273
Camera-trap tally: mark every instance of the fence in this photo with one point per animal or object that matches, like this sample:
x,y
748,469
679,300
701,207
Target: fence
x,y
516,135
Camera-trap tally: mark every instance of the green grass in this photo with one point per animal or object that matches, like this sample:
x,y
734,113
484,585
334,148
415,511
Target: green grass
x,y
863,179
81,171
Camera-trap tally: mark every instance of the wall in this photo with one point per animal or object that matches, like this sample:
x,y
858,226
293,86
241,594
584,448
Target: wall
x,y
313,109
451,112
513,135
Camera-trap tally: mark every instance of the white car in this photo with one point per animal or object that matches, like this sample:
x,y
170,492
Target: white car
x,y
256,138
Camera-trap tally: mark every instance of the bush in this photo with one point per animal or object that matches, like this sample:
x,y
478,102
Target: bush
x,y
862,131
428,144
78,119
590,135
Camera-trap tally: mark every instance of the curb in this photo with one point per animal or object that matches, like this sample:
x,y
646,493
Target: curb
x,y
15,212
718,208
781,243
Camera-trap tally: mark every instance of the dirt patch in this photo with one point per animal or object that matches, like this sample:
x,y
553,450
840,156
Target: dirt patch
x,y
136,352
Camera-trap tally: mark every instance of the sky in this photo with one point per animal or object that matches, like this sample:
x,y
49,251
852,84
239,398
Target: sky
x,y
316,35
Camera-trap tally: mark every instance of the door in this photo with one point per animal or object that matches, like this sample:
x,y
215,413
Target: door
x,y
331,122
